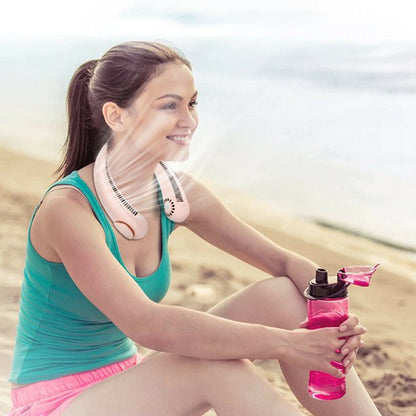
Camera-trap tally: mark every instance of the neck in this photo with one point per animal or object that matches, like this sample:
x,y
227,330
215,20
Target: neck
x,y
134,178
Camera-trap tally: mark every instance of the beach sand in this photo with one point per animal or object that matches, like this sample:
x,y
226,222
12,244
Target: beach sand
x,y
387,308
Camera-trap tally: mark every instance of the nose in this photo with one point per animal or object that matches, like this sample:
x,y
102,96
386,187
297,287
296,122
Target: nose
x,y
189,120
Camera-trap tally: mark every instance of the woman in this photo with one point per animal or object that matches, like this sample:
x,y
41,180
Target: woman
x,y
97,264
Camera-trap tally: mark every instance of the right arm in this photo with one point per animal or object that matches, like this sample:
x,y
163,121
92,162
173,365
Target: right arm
x,y
68,226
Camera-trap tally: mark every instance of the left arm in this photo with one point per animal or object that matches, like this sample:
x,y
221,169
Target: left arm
x,y
213,222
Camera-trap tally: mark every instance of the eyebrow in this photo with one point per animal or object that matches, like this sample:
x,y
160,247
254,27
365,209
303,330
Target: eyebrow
x,y
177,97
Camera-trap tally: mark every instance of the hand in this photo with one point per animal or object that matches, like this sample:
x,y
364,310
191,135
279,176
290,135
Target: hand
x,y
350,332
314,350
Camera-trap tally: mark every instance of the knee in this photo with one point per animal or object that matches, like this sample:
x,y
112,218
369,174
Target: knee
x,y
278,290
282,304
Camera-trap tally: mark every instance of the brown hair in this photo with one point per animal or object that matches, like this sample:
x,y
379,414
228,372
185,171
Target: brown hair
x,y
119,76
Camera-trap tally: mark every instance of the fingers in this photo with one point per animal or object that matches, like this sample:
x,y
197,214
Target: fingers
x,y
349,351
338,346
351,327
344,350
357,330
351,330
315,350
348,361
332,363
352,343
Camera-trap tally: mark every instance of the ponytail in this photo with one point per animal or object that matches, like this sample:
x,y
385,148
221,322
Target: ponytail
x,y
83,139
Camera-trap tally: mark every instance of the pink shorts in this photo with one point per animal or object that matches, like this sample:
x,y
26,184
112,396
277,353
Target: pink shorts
x,y
52,397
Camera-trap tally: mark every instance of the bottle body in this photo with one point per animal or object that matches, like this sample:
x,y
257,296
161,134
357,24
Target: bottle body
x,y
324,313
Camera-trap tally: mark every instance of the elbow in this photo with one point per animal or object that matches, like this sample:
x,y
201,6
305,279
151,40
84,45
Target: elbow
x,y
147,329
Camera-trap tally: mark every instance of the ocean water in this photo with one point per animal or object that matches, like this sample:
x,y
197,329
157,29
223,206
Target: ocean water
x,y
299,106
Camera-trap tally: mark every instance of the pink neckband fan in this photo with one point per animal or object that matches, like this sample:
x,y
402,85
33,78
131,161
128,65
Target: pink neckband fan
x,y
125,217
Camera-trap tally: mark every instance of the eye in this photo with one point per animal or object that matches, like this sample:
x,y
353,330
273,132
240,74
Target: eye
x,y
193,103
170,106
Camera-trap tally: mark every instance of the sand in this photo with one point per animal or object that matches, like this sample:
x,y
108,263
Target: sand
x,y
386,363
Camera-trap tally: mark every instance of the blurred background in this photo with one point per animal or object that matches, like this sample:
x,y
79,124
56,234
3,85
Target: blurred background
x,y
309,106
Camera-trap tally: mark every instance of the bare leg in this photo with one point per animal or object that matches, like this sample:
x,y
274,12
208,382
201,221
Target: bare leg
x,y
277,302
166,384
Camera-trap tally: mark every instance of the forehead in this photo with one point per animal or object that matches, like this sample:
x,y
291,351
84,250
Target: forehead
x,y
174,79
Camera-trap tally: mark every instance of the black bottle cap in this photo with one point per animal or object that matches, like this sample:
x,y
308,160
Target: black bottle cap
x,y
319,288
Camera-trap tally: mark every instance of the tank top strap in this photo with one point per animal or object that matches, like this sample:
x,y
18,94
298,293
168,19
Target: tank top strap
x,y
74,180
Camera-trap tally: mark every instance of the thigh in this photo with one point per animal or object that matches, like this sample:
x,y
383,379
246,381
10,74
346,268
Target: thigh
x,y
167,384
163,384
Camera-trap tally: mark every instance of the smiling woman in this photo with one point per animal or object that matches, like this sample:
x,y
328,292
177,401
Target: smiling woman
x,y
98,264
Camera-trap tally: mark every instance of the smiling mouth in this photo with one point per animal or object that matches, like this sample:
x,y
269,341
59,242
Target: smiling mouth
x,y
183,140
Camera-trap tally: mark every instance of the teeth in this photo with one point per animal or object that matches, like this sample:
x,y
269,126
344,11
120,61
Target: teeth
x,y
182,139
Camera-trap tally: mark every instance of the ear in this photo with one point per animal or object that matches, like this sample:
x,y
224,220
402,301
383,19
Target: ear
x,y
113,116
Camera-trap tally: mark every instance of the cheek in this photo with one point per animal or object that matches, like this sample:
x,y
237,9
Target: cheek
x,y
165,124
157,128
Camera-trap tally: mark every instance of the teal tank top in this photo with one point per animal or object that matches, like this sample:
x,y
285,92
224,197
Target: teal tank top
x,y
60,331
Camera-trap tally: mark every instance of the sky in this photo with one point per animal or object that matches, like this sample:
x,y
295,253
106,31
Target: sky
x,y
373,20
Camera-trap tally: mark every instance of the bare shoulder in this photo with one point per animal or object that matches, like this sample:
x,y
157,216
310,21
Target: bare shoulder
x,y
63,203
204,203
192,185
63,211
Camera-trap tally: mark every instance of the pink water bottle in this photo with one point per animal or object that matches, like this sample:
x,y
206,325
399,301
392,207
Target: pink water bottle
x,y
328,307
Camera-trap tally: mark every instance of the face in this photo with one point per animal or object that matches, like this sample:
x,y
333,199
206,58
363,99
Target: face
x,y
160,123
